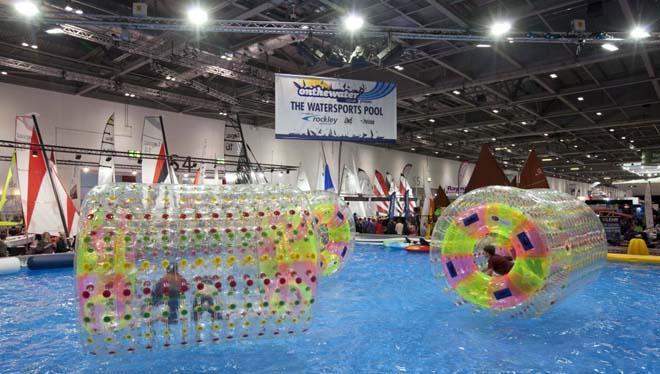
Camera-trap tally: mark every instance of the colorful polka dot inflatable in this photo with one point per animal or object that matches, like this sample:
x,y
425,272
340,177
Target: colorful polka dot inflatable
x,y
557,243
160,266
335,227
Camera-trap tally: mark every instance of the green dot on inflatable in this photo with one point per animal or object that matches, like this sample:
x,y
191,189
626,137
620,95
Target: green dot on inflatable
x,y
107,319
216,308
248,305
198,309
232,306
87,320
127,317
184,238
297,302
127,239
165,313
87,239
264,304
264,234
311,301
184,312
281,302
146,315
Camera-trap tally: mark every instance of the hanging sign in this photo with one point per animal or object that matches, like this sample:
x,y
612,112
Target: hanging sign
x,y
322,108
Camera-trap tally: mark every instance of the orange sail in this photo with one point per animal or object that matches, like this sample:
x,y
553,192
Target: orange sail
x,y
486,172
532,175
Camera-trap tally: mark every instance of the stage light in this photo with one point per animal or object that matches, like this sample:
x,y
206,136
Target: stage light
x,y
398,67
197,15
493,139
353,22
390,54
26,8
55,31
68,8
580,98
639,32
483,46
412,149
500,28
611,130
546,134
609,47
431,120
495,111
523,122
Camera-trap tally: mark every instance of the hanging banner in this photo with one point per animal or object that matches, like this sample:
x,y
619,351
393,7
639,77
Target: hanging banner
x,y
322,108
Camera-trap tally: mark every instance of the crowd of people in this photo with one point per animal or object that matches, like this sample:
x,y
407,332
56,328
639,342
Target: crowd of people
x,y
41,244
386,226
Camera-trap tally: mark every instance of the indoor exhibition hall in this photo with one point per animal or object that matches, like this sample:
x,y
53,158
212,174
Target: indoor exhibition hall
x,y
330,186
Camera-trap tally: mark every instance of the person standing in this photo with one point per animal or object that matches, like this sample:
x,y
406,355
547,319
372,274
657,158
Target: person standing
x,y
4,251
399,227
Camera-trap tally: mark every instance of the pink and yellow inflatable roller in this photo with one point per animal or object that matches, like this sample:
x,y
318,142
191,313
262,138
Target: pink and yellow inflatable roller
x,y
164,266
557,242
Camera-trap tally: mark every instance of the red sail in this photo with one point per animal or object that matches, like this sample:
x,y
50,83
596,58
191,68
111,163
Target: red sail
x,y
532,175
486,172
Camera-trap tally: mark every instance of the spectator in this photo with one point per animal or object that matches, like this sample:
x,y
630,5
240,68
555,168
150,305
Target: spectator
x,y
4,251
379,228
61,245
43,244
371,228
399,227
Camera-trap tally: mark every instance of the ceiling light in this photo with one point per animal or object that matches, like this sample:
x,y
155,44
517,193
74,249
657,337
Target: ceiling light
x,y
68,8
580,98
3,73
458,156
132,95
431,120
574,168
495,111
546,159
127,94
545,134
197,15
500,28
588,155
632,141
85,170
610,47
450,144
466,130
599,113
412,149
623,138
24,44
304,27
34,46
436,152
456,92
134,172
611,130
483,46
398,67
639,32
353,22
575,146
168,77
561,140
78,11
55,31
493,139
554,76
26,8
523,122
419,137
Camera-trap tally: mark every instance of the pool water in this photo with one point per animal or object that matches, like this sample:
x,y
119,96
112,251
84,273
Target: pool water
x,y
383,314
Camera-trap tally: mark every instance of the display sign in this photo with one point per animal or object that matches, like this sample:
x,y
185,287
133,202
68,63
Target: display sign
x,y
322,108
612,228
650,157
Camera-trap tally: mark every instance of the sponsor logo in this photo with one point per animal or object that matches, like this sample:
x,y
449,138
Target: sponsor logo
x,y
323,89
348,120
368,121
321,120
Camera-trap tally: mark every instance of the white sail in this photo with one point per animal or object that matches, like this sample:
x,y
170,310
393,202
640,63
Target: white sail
x,y
106,162
301,181
47,206
153,142
366,190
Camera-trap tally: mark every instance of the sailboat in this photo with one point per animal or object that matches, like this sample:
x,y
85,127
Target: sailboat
x,y
200,174
154,142
404,187
365,189
324,181
9,207
381,188
106,162
301,180
47,207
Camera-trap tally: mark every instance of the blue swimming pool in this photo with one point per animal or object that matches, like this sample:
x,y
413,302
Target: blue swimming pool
x,y
383,314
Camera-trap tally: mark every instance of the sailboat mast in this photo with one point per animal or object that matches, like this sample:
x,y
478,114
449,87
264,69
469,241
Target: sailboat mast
x,y
50,176
167,151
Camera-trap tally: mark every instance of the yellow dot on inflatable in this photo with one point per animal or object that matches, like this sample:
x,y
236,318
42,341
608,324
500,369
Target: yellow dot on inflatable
x,y
90,340
147,334
88,267
216,327
184,331
183,263
107,266
108,339
295,256
167,332
231,260
145,265
263,322
231,324
199,261
246,323
278,321
264,258
217,260
128,265
128,337
280,257
164,264
199,327
247,260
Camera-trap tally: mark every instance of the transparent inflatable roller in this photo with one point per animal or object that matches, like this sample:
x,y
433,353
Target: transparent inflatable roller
x,y
557,243
159,266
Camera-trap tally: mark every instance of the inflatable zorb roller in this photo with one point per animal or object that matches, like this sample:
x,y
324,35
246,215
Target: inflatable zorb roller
x,y
334,224
159,266
557,243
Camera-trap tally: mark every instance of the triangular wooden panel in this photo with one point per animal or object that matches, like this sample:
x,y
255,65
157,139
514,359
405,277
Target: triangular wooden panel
x,y
440,200
532,175
486,172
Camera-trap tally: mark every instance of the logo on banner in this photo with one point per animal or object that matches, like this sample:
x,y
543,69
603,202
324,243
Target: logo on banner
x,y
322,89
321,120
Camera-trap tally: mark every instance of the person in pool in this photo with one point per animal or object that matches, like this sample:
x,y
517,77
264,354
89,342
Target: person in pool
x,y
497,264
169,289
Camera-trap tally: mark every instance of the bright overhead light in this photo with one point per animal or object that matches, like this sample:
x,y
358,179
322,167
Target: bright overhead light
x,y
85,170
632,141
3,73
545,134
495,111
599,113
24,44
611,130
134,172
456,92
554,76
436,152
523,122
500,28
574,168
68,8
304,27
575,146
450,144
431,120
398,67
55,31
482,45
78,11
353,22
197,15
419,137
580,98
26,8
412,149
458,156
34,46
561,140
132,95
466,130
609,47
639,32
493,139
546,159
623,138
